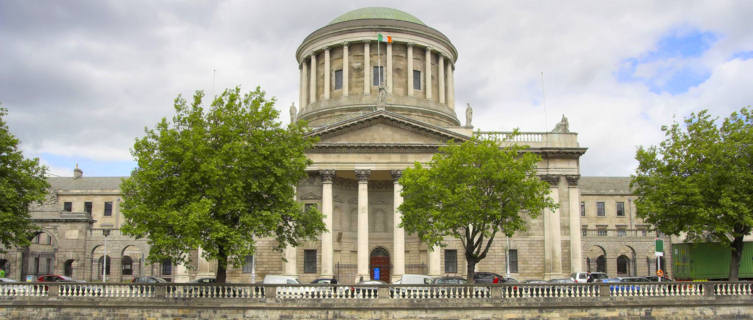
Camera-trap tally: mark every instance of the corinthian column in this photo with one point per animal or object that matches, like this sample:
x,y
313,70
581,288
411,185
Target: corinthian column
x,y
345,69
428,73
366,69
363,224
398,234
573,196
289,265
409,72
440,77
388,74
327,72
450,85
327,251
552,236
312,87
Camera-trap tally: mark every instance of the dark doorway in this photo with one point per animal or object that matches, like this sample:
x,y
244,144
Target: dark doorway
x,y
601,264
379,266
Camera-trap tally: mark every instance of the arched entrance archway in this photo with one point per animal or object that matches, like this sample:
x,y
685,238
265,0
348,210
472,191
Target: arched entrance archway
x,y
379,264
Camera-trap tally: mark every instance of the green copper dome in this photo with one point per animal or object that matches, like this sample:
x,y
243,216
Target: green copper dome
x,y
376,13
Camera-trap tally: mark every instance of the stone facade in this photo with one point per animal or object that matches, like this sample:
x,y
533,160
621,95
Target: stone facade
x,y
368,133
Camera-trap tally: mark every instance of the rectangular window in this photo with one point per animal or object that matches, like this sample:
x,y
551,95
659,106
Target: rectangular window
x,y
309,261
450,261
620,209
248,264
513,254
338,79
416,80
88,207
621,232
378,75
601,232
108,208
600,209
167,268
68,206
582,209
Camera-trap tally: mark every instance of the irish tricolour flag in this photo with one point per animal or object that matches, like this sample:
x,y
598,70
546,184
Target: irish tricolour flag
x,y
383,38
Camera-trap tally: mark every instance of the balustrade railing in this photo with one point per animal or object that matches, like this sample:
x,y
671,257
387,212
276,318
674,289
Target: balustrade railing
x,y
367,292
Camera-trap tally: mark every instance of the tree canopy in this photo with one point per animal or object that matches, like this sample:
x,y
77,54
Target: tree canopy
x,y
219,179
699,181
22,182
473,191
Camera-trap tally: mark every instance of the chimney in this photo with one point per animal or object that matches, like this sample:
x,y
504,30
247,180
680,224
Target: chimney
x,y
77,173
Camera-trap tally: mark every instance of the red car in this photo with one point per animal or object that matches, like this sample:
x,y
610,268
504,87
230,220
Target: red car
x,y
56,278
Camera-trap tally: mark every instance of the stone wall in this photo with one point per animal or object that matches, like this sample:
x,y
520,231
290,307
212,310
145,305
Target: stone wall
x,y
604,308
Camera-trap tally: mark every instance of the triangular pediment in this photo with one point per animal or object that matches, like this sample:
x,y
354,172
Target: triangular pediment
x,y
384,128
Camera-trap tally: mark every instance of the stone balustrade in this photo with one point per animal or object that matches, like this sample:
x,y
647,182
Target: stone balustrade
x,y
367,292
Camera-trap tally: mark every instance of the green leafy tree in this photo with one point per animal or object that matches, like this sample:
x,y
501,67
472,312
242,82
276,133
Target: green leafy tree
x,y
219,179
22,183
473,191
699,181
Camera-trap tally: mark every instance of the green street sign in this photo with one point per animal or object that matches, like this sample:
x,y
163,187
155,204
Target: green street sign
x,y
659,245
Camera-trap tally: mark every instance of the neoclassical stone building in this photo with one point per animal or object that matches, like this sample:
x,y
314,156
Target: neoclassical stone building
x,y
377,88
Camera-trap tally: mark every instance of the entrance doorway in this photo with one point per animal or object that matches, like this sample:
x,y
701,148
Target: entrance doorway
x,y
379,264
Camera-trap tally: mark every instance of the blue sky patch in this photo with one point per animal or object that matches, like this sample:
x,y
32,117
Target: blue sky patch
x,y
91,168
669,67
742,55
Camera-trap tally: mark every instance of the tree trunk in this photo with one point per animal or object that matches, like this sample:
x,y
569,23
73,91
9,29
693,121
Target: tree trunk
x,y
734,262
221,265
471,266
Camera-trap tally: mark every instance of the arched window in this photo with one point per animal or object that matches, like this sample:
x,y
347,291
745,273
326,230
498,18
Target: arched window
x,y
601,264
126,264
68,268
623,265
105,266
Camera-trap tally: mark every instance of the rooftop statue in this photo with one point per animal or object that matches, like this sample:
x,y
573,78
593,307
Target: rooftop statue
x,y
468,115
562,127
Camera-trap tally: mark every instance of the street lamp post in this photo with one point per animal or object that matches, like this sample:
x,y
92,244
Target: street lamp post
x,y
105,232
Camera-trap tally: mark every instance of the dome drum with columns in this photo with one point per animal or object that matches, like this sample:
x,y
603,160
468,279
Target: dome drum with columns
x,y
337,83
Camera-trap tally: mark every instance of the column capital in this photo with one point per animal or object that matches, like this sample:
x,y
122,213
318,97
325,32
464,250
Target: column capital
x,y
553,179
410,44
327,175
396,174
363,174
346,43
572,180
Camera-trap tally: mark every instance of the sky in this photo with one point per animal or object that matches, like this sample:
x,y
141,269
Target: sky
x,y
82,79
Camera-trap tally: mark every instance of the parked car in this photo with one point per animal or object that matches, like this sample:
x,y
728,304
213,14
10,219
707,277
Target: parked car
x,y
57,278
450,280
368,288
584,277
325,281
413,279
148,279
491,277
280,279
204,280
